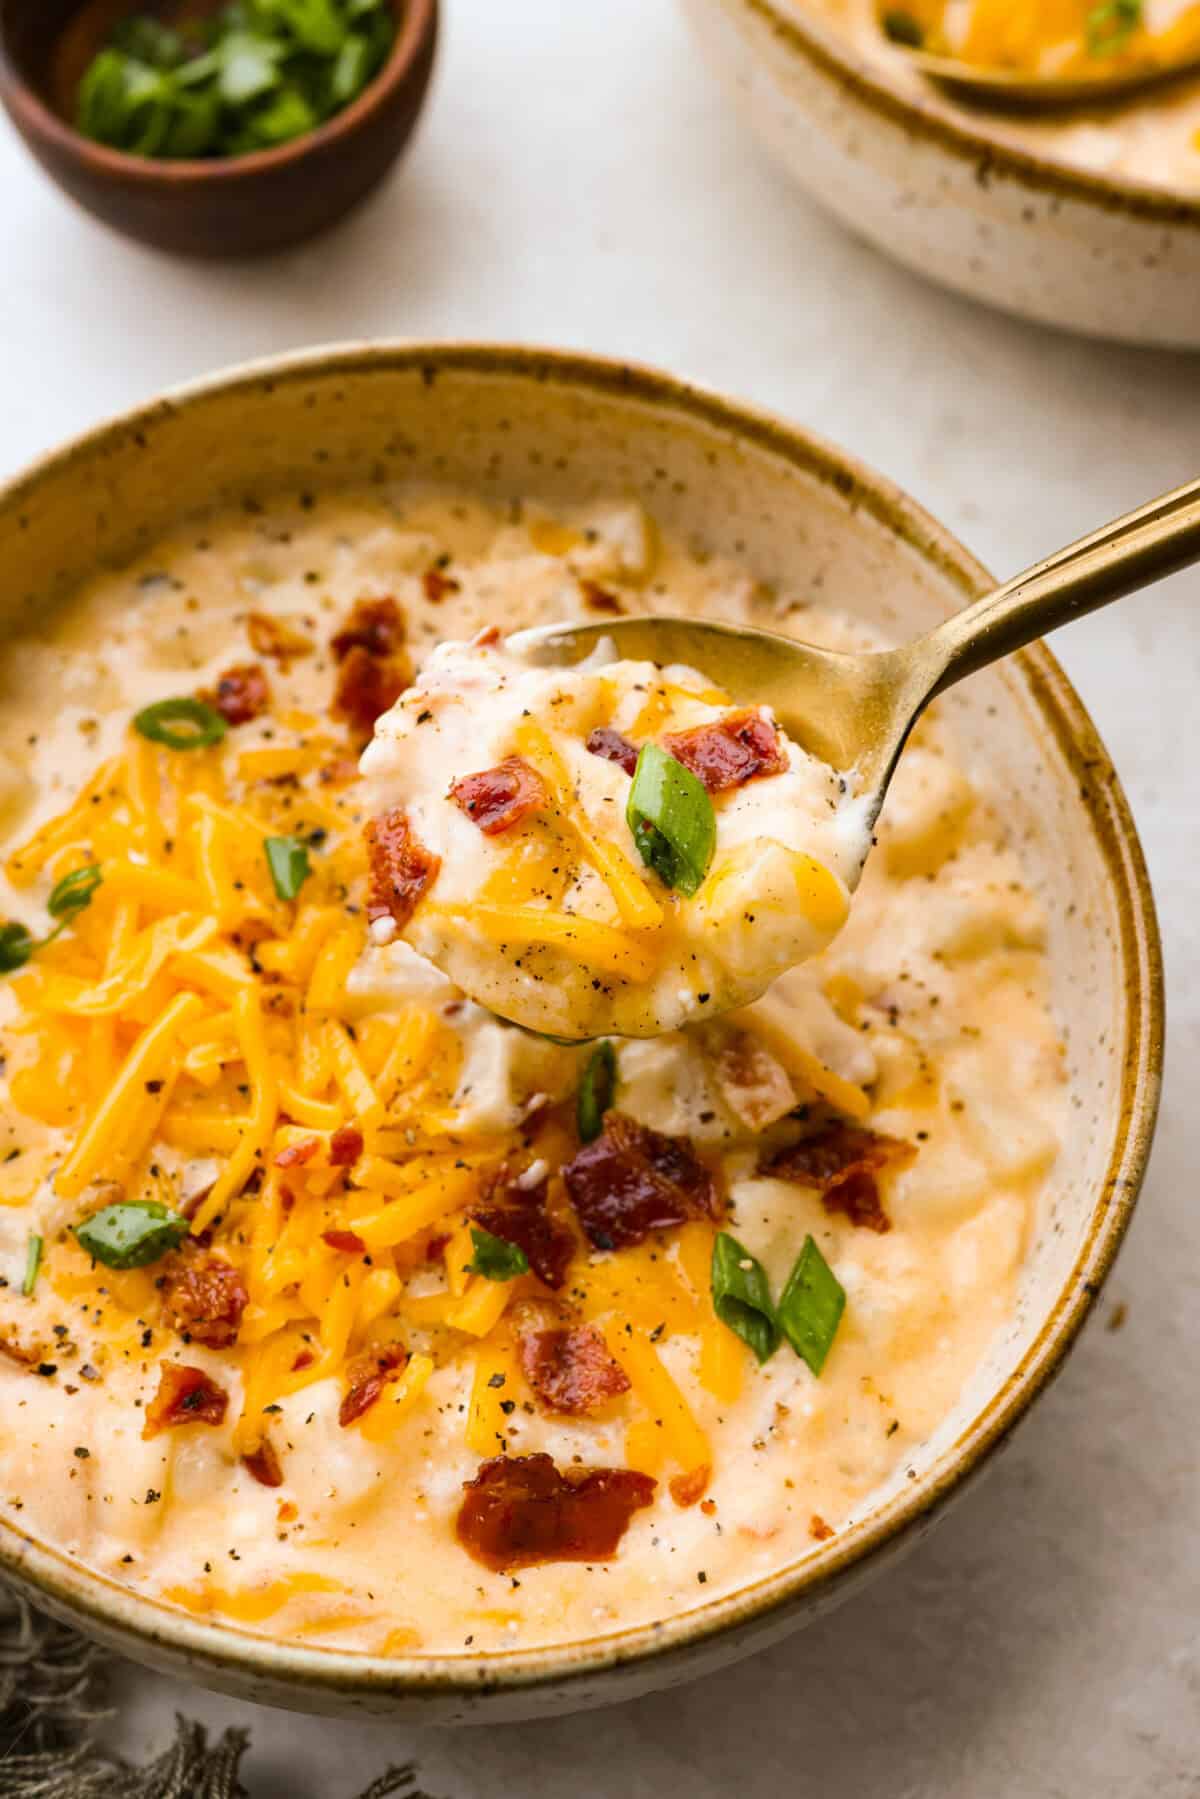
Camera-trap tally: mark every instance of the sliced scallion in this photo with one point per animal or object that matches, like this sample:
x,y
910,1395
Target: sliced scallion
x,y
131,1234
495,1258
672,819
16,947
287,859
181,724
74,893
742,1296
33,1262
811,1307
597,1090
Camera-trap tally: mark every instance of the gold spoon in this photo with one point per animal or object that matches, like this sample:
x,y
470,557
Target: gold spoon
x,y
855,711
1014,87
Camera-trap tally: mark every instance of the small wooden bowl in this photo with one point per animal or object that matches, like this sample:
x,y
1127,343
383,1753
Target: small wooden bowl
x,y
238,206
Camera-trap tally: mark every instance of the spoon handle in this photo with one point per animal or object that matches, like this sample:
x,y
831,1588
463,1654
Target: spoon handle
x,y
1144,546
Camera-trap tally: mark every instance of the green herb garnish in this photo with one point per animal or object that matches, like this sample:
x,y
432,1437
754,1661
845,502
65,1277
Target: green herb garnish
x,y
33,1262
902,28
811,1307
16,946
182,724
131,1234
596,1091
287,859
742,1297
495,1258
1111,25
258,74
68,898
672,820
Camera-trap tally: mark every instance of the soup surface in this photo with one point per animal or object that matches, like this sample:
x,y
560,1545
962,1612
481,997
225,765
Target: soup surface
x,y
1152,137
336,1308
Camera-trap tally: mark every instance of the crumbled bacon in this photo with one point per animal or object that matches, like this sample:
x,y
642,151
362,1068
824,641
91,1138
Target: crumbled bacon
x,y
754,1084
264,1464
730,750
367,686
276,638
241,693
500,797
610,746
599,598
349,1242
522,1510
842,1162
519,1215
296,1155
687,1488
17,1352
376,626
185,1396
367,1376
345,1146
571,1370
437,584
818,1529
203,1297
632,1181
401,868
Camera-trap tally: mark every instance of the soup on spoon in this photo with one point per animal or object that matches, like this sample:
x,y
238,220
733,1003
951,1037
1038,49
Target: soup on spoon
x,y
613,847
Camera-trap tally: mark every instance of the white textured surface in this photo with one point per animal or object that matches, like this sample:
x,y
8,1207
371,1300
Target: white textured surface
x,y
578,181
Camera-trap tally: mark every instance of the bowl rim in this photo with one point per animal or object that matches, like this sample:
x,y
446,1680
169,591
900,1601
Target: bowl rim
x,y
954,130
311,1672
418,24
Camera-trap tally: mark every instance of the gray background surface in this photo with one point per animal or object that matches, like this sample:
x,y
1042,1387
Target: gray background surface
x,y
579,181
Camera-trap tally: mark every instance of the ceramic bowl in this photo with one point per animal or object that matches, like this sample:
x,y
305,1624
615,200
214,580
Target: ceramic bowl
x,y
953,191
236,206
509,422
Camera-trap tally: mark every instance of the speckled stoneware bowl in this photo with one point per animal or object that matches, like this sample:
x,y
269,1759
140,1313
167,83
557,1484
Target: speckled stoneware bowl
x,y
507,422
950,190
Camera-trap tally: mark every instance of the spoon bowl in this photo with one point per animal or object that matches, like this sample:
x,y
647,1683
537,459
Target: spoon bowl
x,y
1015,88
855,712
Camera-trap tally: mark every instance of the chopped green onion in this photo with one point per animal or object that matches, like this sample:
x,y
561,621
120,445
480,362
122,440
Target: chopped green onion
x,y
596,1091
131,1234
742,1297
672,820
902,28
1111,25
182,724
811,1307
287,859
16,947
33,1262
74,893
495,1258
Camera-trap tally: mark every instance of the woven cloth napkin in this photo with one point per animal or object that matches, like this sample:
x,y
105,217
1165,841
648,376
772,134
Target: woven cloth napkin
x,y
51,1712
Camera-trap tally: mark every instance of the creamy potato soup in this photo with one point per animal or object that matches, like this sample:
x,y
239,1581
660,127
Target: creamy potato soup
x,y
637,851
335,1307
1153,136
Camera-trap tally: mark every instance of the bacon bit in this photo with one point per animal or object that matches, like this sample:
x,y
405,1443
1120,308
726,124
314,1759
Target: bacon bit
x,y
203,1297
519,1215
16,1352
286,1512
730,750
438,584
401,868
500,797
632,1181
241,693
366,1377
610,746
345,1146
349,1242
571,1371
435,1249
305,1359
819,1530
185,1396
367,686
276,638
709,1507
337,774
376,626
297,1154
687,1488
599,598
754,1084
841,1162
522,1510
264,1464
